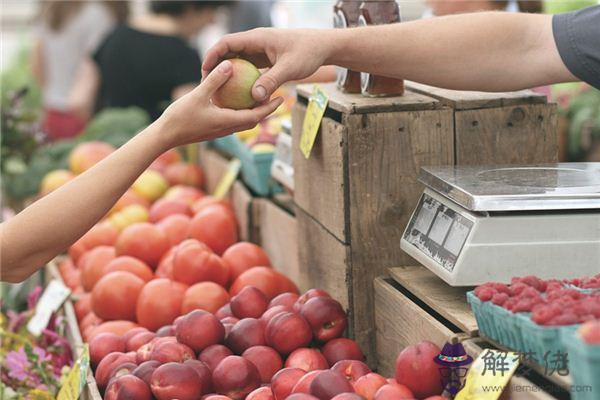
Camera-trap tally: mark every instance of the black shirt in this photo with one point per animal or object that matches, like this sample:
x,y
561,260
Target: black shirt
x,y
577,36
142,69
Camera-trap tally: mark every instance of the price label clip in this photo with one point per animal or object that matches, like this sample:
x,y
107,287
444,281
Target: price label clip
x,y
233,169
76,379
317,104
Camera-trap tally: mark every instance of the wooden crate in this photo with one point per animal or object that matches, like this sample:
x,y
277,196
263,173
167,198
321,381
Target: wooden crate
x,y
215,165
357,190
276,232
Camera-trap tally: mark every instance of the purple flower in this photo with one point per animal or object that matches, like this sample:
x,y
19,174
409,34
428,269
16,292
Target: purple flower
x,y
17,365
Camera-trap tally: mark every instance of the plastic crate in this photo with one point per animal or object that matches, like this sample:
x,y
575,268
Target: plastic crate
x,y
516,331
256,167
584,366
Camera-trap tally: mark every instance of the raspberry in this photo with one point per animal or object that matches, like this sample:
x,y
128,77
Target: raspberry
x,y
563,319
524,305
530,292
517,288
553,285
543,314
532,281
510,303
499,298
485,293
500,287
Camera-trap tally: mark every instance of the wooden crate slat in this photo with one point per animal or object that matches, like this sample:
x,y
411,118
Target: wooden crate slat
x,y
506,135
450,302
463,100
320,181
358,104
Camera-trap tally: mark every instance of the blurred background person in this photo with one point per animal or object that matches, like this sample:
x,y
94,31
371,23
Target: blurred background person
x,y
68,32
148,61
250,14
438,8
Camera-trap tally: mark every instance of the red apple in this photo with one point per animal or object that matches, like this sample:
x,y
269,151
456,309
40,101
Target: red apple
x,y
145,370
247,333
416,369
287,332
175,381
284,381
263,393
235,377
303,385
326,317
265,359
393,392
127,387
306,359
284,299
199,329
351,369
213,355
367,385
328,384
250,302
307,296
342,349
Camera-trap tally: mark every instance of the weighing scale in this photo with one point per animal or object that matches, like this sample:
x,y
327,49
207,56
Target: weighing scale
x,y
476,224
282,169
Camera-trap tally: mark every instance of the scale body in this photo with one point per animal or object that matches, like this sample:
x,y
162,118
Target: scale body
x,y
478,224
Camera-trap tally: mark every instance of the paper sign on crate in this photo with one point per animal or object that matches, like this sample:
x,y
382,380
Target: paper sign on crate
x,y
76,379
233,169
50,301
317,103
489,374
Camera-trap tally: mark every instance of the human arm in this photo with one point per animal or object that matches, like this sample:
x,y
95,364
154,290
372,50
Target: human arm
x,y
85,88
36,61
47,227
491,51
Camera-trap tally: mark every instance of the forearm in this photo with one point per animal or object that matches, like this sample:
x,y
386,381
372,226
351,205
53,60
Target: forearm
x,y
50,225
485,51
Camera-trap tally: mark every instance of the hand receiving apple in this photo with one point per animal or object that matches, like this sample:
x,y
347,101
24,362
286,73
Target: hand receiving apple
x,y
291,54
194,117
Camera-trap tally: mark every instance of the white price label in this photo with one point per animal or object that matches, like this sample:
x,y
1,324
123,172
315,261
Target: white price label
x,y
50,301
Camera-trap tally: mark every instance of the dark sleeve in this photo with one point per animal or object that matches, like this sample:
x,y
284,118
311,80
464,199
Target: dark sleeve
x,y
577,36
188,68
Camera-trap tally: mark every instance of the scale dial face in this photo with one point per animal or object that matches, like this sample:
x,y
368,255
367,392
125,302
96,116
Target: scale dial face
x,y
438,231
339,21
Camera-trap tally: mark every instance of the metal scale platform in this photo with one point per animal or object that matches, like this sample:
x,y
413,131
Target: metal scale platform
x,y
475,224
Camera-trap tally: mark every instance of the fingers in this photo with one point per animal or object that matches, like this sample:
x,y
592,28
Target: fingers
x,y
227,47
276,76
253,116
215,79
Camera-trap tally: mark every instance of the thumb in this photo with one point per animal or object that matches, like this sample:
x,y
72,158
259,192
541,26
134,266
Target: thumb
x,y
268,82
216,78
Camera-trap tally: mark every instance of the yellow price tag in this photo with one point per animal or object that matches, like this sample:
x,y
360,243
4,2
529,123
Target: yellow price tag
x,y
233,169
317,103
489,374
75,381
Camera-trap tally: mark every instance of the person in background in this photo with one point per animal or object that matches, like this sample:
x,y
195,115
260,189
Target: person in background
x,y
440,8
147,62
69,32
250,14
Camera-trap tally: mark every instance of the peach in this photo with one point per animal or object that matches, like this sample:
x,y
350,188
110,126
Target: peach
x,y
199,329
247,333
164,208
262,393
93,265
436,398
301,396
283,382
143,241
83,306
311,293
250,302
114,296
145,370
132,332
204,373
109,363
367,385
165,352
129,198
287,332
393,392
213,355
104,344
184,174
342,349
187,194
265,359
175,381
230,320
130,264
347,396
351,369
208,201
139,340
119,327
235,377
273,311
326,317
167,330
169,157
224,312
176,228
208,296
192,263
242,256
121,370
216,397
303,385
159,303
306,359
128,387
589,332
85,155
328,384
150,185
236,93
284,299
415,368
129,215
55,179
216,227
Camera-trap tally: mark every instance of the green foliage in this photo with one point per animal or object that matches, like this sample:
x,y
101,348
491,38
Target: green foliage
x,y
583,114
116,126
